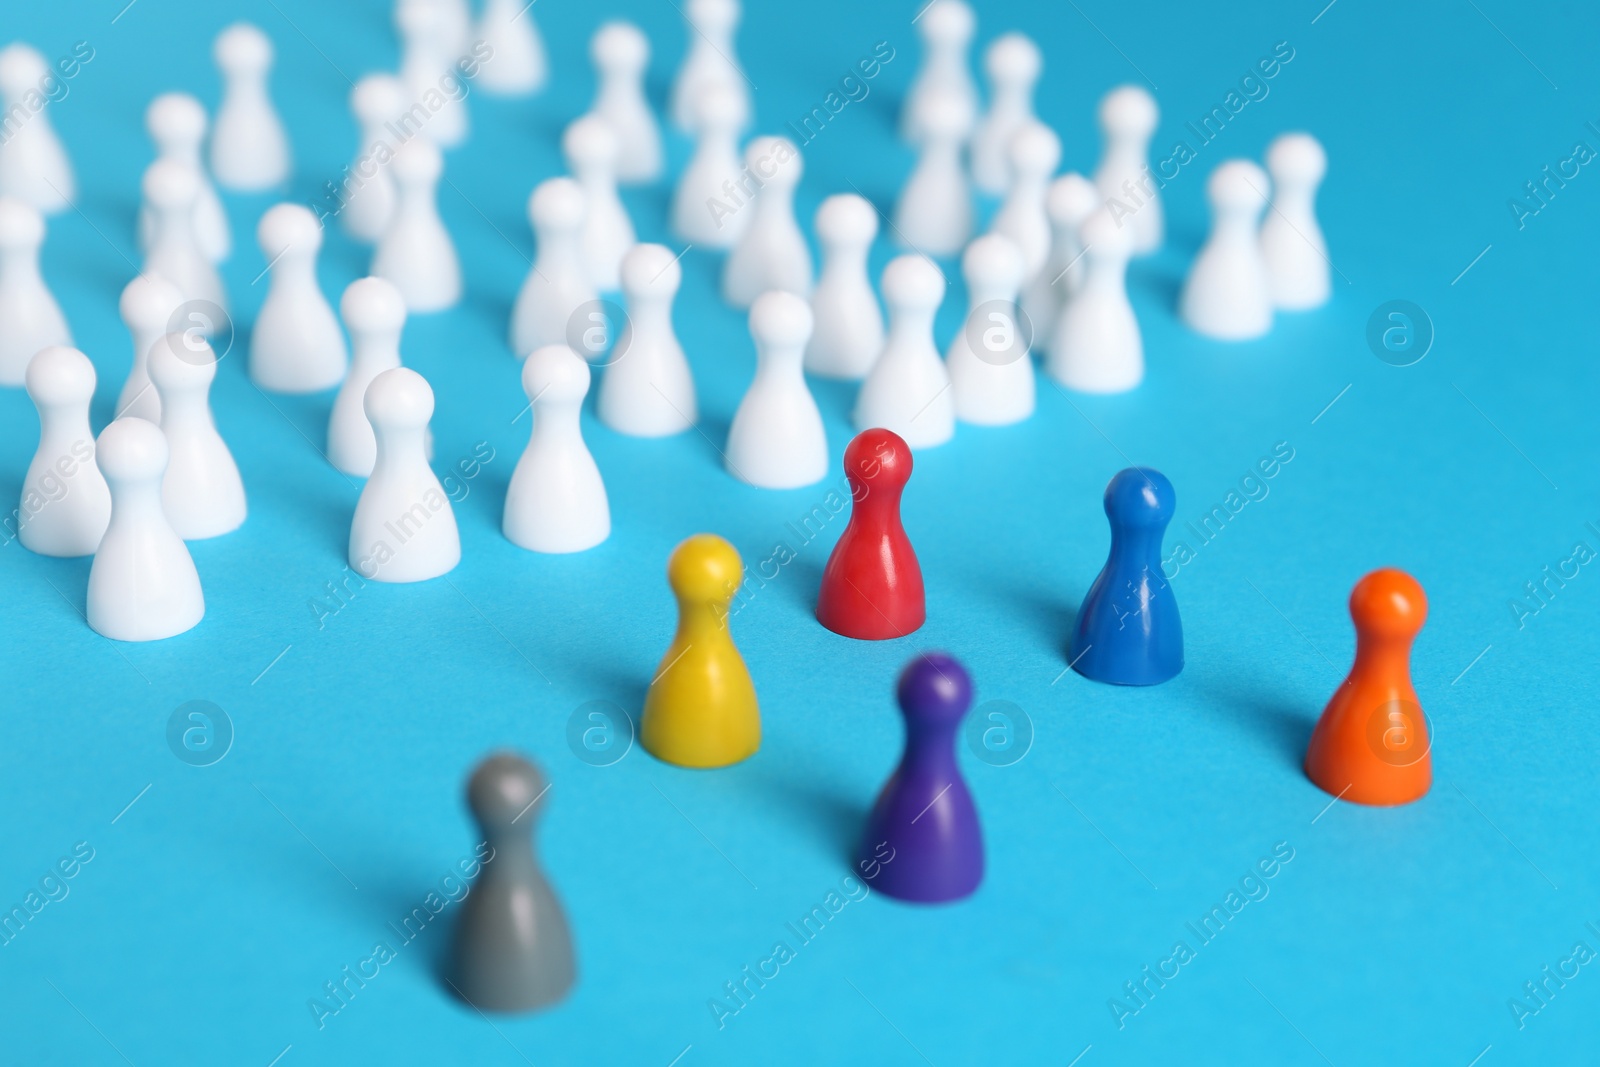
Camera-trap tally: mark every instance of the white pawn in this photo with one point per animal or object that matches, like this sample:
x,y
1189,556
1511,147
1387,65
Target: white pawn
x,y
647,391
375,315
1013,64
991,374
32,318
65,504
559,282
416,252
934,213
296,346
378,102
771,253
777,440
201,492
848,333
1227,295
621,52
1097,347
33,163
707,203
142,584
171,191
427,57
404,529
556,501
946,27
249,149
908,389
711,62
1035,152
1070,200
591,148
148,307
1291,240
455,27
177,124
517,64
1128,117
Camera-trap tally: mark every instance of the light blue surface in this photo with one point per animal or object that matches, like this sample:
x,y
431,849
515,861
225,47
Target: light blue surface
x,y
221,901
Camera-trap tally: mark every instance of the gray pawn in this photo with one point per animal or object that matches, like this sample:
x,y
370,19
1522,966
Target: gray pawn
x,y
513,949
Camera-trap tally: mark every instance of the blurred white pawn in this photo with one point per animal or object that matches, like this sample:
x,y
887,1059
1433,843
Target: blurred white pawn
x,y
428,69
848,333
201,492
777,440
621,52
1035,153
455,26
1128,117
934,213
378,101
1097,347
772,252
249,149
142,584
706,204
1070,200
171,191
375,315
517,65
404,529
296,346
177,124
1291,240
1013,64
946,27
1227,295
148,307
991,373
415,252
32,318
65,504
33,163
647,390
559,282
556,501
591,148
908,389
712,60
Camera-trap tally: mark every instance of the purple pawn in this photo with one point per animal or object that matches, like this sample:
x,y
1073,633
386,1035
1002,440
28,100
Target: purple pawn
x,y
922,841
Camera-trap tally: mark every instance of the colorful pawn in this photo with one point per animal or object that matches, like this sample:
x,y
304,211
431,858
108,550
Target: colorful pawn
x,y
1128,631
872,585
923,838
701,709
1371,745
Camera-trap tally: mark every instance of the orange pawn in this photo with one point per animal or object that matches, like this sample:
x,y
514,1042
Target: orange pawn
x,y
1371,745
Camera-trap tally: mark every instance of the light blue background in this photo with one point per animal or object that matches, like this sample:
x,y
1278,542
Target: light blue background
x,y
224,898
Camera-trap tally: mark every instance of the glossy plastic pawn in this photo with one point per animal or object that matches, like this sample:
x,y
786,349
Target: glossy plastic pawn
x,y
556,501
65,504
201,492
872,586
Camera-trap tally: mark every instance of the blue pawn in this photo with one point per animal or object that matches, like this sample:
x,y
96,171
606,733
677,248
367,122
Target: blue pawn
x,y
1128,631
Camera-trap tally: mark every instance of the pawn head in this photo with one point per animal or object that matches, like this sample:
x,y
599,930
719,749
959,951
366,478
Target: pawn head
x,y
718,107
1140,497
913,283
287,228
1035,150
21,68
170,186
59,375
704,568
1389,603
1071,199
176,119
182,361
1105,237
243,49
1297,157
1128,111
993,263
1013,58
418,163
148,303
935,688
847,219
943,114
780,320
1238,185
400,399
503,793
774,161
589,143
620,47
21,225
555,374
557,204
948,22
714,16
372,305
877,460
649,268
378,98
131,450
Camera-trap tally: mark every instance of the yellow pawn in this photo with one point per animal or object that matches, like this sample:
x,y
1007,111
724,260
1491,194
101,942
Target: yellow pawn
x,y
701,709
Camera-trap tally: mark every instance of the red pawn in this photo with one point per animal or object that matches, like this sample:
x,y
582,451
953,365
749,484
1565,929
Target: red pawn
x,y
872,587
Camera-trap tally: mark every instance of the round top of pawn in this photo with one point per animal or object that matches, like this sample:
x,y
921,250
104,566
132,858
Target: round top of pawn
x,y
418,162
1105,235
182,361
913,282
1035,150
589,142
1140,497
1071,199
21,69
148,303
1128,111
879,457
704,568
378,98
719,107
557,204
1238,185
1013,57
501,792
372,304
417,18
713,16
848,219
243,49
60,375
619,46
948,22
1297,157
993,262
1388,603
557,374
286,228
650,268
944,113
131,450
780,320
21,225
400,399
169,184
777,155
175,118
935,688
